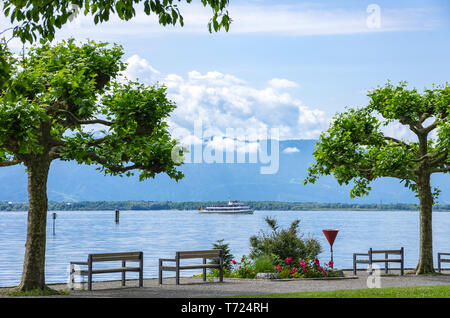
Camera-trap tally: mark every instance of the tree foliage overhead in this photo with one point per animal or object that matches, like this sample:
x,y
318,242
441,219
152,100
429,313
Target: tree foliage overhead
x,y
58,91
355,149
43,17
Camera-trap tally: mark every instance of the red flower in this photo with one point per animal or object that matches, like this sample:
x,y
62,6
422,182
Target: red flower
x,y
234,262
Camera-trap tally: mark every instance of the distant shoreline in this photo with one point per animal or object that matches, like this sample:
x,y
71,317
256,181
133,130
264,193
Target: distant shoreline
x,y
195,205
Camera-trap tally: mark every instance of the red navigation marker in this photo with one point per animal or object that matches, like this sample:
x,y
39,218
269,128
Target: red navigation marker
x,y
331,236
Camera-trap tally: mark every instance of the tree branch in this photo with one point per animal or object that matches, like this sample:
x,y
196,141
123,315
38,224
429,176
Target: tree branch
x,y
402,143
433,125
408,121
156,167
85,122
444,170
429,156
424,117
441,159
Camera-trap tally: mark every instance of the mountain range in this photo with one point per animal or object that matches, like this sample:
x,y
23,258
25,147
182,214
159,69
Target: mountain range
x,y
70,182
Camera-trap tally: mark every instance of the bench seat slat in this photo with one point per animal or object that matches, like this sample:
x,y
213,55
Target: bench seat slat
x,y
107,270
362,261
200,266
116,258
444,260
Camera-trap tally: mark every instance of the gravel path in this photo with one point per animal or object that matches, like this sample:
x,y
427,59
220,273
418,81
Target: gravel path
x,y
194,287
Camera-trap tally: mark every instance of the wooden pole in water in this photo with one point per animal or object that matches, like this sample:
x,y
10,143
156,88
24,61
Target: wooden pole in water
x,y
54,218
117,216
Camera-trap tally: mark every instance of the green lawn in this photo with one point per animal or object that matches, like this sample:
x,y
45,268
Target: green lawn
x,y
437,291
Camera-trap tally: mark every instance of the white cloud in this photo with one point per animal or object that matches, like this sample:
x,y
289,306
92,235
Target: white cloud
x,y
223,102
138,68
282,83
229,106
290,150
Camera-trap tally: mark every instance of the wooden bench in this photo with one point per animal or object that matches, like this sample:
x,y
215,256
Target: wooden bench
x,y
124,257
442,260
204,254
386,260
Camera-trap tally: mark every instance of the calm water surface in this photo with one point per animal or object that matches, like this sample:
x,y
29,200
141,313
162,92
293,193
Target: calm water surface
x,y
159,234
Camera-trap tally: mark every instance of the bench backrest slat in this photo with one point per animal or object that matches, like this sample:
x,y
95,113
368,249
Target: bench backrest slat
x,y
126,256
387,251
199,254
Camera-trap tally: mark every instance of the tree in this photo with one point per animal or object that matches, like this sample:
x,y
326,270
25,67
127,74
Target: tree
x,y
55,94
227,256
354,149
42,17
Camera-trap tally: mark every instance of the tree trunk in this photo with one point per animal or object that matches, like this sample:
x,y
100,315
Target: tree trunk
x,y
33,275
425,265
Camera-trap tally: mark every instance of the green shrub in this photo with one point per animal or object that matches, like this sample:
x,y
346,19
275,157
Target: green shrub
x,y
283,243
227,256
264,264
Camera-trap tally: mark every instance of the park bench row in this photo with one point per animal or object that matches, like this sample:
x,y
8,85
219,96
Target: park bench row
x,y
125,257
370,258
217,254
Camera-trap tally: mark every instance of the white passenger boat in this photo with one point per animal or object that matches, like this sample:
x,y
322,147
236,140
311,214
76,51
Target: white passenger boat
x,y
233,207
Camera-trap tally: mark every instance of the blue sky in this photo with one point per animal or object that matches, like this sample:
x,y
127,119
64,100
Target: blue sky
x,y
284,64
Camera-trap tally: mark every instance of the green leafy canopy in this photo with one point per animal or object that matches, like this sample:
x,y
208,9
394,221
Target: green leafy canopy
x,y
56,93
355,148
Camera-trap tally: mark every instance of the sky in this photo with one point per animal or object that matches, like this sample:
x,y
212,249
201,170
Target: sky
x,y
289,65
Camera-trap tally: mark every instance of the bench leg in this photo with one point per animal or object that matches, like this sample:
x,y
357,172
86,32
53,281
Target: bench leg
x,y
204,270
354,264
141,277
402,264
177,271
160,272
89,281
386,264
123,273
90,272
439,262
221,270
71,277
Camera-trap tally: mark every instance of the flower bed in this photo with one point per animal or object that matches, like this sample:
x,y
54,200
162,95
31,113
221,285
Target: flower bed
x,y
308,268
288,268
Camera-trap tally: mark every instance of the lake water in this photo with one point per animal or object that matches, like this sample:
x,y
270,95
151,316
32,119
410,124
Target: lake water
x,y
159,234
